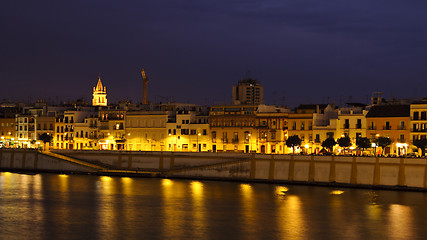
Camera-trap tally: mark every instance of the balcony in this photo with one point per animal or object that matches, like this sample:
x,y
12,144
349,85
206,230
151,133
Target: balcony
x,y
372,128
402,128
317,140
358,126
346,125
419,130
387,127
235,140
224,140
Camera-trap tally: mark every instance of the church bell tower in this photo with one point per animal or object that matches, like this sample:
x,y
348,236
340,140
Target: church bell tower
x,y
99,94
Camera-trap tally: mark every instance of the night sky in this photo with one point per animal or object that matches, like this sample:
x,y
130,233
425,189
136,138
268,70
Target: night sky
x,y
301,51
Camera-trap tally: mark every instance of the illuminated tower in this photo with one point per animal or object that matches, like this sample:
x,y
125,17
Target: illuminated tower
x,y
99,94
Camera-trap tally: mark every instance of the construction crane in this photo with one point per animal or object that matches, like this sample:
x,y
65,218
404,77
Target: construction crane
x,y
144,87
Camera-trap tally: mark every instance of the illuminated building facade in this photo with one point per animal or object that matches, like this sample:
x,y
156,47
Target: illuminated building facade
x,y
233,128
271,125
188,131
111,126
351,123
7,131
418,116
146,130
324,126
391,121
86,133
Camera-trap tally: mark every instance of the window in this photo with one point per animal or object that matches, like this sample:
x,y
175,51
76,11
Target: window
x,y
423,116
346,123
387,125
236,137
416,115
214,137
302,126
359,123
402,125
224,137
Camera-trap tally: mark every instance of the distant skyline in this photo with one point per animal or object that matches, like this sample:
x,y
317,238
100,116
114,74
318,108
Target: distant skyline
x,y
301,51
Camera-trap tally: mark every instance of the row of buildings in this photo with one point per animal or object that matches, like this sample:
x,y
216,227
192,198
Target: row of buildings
x,y
245,126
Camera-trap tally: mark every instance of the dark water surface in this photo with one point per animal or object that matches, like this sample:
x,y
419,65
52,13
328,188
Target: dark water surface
x,y
50,206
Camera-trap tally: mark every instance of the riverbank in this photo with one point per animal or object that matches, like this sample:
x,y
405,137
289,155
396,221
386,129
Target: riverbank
x,y
339,171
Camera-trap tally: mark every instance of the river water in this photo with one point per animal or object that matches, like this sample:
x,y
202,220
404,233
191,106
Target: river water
x,y
51,206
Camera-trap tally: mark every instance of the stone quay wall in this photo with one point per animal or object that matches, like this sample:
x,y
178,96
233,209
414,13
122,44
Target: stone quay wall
x,y
311,169
32,160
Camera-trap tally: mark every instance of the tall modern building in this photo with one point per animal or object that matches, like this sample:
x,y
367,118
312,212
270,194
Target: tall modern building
x,y
99,94
248,91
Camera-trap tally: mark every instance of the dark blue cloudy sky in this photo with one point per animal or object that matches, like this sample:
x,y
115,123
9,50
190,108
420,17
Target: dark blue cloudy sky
x,y
302,51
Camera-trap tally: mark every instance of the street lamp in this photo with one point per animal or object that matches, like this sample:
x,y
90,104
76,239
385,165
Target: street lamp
x,y
250,146
198,142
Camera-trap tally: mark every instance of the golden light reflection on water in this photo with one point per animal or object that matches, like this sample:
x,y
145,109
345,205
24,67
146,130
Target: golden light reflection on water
x,y
106,210
172,212
291,218
127,185
249,211
63,183
24,192
401,222
199,211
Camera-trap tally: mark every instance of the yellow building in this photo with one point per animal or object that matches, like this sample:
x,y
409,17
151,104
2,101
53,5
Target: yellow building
x,y
86,133
146,130
233,128
188,132
111,127
324,126
418,113
271,123
351,123
300,123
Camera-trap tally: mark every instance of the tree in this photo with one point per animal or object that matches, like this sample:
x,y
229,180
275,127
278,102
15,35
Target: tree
x,y
293,141
421,144
363,142
46,138
344,142
329,143
383,142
